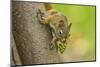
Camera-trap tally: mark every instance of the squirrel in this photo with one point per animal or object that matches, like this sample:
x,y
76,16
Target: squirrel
x,y
58,24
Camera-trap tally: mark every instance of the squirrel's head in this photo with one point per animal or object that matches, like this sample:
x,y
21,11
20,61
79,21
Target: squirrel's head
x,y
63,30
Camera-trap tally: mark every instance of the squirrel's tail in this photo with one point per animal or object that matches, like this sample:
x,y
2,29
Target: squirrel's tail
x,y
47,6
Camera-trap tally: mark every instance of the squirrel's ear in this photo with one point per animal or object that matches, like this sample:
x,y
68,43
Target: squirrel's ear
x,y
69,26
61,23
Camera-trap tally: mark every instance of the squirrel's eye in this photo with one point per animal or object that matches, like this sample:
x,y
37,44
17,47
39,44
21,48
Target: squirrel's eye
x,y
60,31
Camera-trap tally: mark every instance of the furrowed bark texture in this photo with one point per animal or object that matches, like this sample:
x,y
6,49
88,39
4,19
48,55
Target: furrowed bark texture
x,y
31,37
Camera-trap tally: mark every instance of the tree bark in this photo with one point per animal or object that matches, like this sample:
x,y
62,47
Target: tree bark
x,y
31,37
15,55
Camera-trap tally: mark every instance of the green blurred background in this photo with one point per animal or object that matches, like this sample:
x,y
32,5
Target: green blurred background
x,y
82,38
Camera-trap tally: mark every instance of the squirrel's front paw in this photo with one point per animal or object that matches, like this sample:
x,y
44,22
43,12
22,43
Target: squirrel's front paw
x,y
51,46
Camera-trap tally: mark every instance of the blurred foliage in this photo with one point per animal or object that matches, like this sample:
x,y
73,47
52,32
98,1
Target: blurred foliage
x,y
82,31
61,46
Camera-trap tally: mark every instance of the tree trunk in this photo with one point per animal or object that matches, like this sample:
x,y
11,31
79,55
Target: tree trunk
x,y
15,55
31,37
